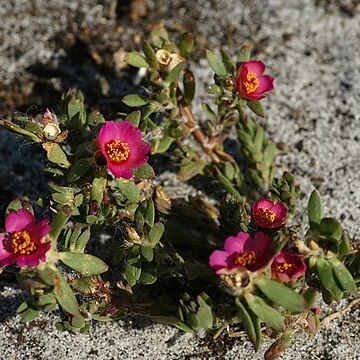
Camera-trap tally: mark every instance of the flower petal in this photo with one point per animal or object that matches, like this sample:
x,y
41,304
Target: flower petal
x,y
255,66
280,210
263,203
266,84
260,244
236,243
120,170
217,259
3,252
35,258
18,220
39,230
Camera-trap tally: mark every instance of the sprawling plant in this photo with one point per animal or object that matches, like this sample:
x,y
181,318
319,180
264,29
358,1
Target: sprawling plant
x,y
233,261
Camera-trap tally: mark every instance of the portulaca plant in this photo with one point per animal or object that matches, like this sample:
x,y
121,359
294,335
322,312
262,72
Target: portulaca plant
x,y
234,262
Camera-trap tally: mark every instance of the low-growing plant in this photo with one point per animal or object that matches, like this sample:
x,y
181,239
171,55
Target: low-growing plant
x,y
114,243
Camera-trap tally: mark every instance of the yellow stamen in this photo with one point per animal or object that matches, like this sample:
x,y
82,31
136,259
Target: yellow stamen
x,y
246,259
252,82
117,150
266,215
285,267
21,243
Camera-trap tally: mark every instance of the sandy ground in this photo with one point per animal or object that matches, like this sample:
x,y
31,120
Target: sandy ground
x,y
311,46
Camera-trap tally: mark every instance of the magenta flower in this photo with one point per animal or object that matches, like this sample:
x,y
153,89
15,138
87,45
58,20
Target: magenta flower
x,y
122,147
242,252
288,266
23,243
269,215
251,84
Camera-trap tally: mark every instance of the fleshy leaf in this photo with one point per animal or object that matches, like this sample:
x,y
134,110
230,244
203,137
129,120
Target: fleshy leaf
x,y
326,275
282,295
216,64
56,154
133,270
136,60
135,100
343,276
84,263
265,312
64,295
315,210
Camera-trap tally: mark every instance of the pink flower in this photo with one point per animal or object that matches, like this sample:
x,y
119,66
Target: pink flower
x,y
269,215
23,241
251,84
242,252
288,266
122,147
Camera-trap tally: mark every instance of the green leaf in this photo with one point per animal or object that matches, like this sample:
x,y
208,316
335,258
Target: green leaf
x,y
209,111
83,263
256,107
159,35
250,327
245,53
315,210
204,315
216,64
282,295
64,295
310,296
76,113
155,234
136,60
147,252
19,130
57,224
98,187
23,306
78,170
30,314
190,170
343,276
345,244
134,117
149,274
150,55
326,275
186,44
135,100
189,85
16,205
227,62
331,228
265,312
78,322
149,214
128,189
56,154
95,118
82,240
60,198
175,72
161,145
144,172
133,270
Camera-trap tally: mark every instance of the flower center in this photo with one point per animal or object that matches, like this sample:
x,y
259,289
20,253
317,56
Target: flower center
x,y
117,150
21,243
265,215
285,267
246,259
252,82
